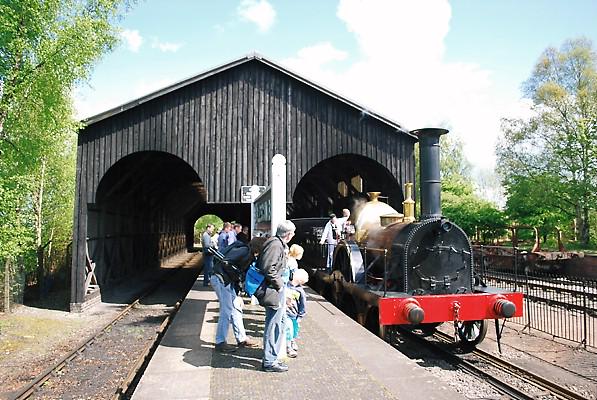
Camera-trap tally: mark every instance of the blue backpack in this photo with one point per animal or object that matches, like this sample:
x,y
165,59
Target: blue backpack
x,y
253,279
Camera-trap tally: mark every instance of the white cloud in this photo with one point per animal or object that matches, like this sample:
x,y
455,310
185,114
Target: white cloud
x,y
132,38
402,74
259,12
166,46
312,62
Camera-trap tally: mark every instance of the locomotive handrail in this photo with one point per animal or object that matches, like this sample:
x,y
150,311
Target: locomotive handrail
x,y
372,249
385,272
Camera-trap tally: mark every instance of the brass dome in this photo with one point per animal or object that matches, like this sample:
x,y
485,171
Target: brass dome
x,y
370,215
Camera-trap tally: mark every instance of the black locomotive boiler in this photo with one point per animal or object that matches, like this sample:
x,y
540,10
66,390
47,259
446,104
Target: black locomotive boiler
x,y
397,271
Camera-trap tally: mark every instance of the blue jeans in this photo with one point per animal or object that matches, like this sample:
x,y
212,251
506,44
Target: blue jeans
x,y
208,267
228,313
272,333
330,259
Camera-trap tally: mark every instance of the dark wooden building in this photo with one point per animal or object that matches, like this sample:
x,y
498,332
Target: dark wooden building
x,y
148,169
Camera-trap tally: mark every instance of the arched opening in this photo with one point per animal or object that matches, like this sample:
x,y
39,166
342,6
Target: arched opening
x,y
201,224
142,214
341,182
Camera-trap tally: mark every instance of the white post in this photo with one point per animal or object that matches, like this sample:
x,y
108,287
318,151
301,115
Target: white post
x,y
278,185
254,191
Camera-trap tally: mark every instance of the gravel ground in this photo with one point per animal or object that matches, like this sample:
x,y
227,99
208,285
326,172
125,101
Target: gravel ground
x,y
31,339
34,338
564,363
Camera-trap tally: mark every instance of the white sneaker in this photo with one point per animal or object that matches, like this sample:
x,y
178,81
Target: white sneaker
x,y
291,353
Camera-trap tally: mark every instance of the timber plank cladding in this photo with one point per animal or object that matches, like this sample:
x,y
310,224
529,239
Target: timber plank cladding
x,y
148,169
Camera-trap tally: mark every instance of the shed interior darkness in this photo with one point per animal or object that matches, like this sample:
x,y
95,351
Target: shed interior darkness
x,y
143,205
318,194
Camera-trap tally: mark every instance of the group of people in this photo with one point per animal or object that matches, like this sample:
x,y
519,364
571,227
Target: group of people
x,y
281,294
230,233
334,230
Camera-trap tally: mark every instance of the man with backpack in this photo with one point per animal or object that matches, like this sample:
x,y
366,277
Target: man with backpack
x,y
227,273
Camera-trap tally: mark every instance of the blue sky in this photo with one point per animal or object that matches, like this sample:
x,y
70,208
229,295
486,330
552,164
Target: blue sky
x,y
456,64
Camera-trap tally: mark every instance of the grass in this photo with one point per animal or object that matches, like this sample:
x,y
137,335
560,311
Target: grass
x,y
27,332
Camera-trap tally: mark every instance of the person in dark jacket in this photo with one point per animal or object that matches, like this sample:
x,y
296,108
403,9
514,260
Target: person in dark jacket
x,y
224,281
271,262
208,258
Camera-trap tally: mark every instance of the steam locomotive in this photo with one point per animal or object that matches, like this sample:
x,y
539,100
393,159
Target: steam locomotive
x,y
393,270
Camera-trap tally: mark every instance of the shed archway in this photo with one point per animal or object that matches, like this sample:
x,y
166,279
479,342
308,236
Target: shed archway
x,y
341,182
141,212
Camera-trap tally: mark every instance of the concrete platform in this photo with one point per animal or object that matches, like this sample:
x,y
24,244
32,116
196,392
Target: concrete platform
x,y
337,359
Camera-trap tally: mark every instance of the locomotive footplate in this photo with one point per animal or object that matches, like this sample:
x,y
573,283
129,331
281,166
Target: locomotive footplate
x,y
488,303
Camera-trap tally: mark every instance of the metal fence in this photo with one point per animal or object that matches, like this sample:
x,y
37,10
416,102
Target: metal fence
x,y
556,304
12,284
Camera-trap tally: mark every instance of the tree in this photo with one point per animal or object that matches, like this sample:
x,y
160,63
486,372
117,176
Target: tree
x,y
46,48
460,203
470,212
555,150
455,168
202,222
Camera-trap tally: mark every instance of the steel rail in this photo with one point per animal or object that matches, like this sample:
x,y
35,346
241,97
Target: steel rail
x,y
145,356
26,391
520,372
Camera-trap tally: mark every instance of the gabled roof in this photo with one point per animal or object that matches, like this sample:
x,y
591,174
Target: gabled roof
x,y
230,65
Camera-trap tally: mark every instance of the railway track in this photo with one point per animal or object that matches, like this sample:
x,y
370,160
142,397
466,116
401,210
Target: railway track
x,y
520,384
128,319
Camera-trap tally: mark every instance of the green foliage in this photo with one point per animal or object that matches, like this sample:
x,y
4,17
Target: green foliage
x,y
471,212
202,222
46,49
549,161
531,202
459,201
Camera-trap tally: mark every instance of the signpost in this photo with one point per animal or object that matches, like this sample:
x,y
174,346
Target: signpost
x,y
278,191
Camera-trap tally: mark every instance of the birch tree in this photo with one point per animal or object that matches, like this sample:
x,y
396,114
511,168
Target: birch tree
x,y
46,49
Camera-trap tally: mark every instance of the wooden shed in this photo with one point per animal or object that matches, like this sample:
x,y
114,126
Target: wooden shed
x,y
148,169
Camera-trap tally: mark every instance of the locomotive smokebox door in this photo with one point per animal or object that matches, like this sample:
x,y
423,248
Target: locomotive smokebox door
x,y
437,258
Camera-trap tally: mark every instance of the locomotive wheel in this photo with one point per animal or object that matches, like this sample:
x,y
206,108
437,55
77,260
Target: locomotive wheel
x,y
342,262
471,333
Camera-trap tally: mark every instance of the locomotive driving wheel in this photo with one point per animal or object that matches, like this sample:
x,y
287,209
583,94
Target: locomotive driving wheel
x,y
470,333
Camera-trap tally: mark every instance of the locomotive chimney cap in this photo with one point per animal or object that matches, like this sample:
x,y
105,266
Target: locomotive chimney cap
x,y
426,131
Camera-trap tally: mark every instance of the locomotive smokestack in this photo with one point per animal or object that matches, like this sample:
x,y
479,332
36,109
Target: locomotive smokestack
x,y
430,176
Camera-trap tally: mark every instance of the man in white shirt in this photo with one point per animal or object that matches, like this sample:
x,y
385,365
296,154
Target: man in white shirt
x,y
330,236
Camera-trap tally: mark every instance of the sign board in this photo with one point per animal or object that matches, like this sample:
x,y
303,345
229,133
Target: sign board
x,y
261,214
249,193
268,209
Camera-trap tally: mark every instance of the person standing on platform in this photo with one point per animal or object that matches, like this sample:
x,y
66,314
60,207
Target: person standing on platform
x,y
330,236
232,236
295,253
272,262
208,258
223,237
243,235
224,280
